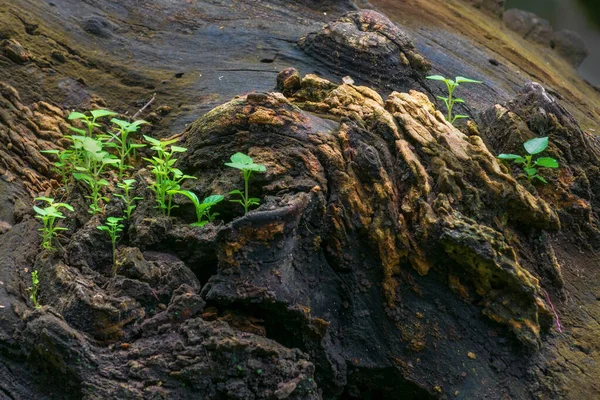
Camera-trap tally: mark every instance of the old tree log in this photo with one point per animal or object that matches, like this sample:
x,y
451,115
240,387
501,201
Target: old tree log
x,y
392,256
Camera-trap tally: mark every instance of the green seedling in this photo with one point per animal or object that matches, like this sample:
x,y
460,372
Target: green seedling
x,y
530,167
121,141
113,227
175,184
450,101
48,215
166,177
91,168
127,186
64,165
203,213
245,164
34,289
88,120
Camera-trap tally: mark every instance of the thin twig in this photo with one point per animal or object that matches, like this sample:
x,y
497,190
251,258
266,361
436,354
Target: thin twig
x,y
143,108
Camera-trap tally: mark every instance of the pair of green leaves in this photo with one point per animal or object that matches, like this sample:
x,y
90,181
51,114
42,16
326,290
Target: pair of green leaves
x,y
245,164
239,161
203,214
530,167
455,83
88,120
163,145
52,210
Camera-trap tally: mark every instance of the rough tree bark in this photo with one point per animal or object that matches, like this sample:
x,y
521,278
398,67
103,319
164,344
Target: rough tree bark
x,y
392,255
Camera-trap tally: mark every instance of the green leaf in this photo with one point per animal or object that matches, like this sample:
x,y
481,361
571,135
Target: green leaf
x,y
241,158
177,149
65,205
102,113
436,78
39,211
91,145
460,116
165,143
82,177
546,162
537,145
121,123
445,99
509,157
176,172
152,141
190,195
49,200
107,160
530,171
540,178
50,151
139,122
77,130
111,145
76,115
458,100
212,200
55,214
244,166
462,79
136,145
237,192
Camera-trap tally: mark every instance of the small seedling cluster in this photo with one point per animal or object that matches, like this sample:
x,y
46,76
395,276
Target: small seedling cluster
x,y
450,101
99,159
167,178
530,166
533,146
89,159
